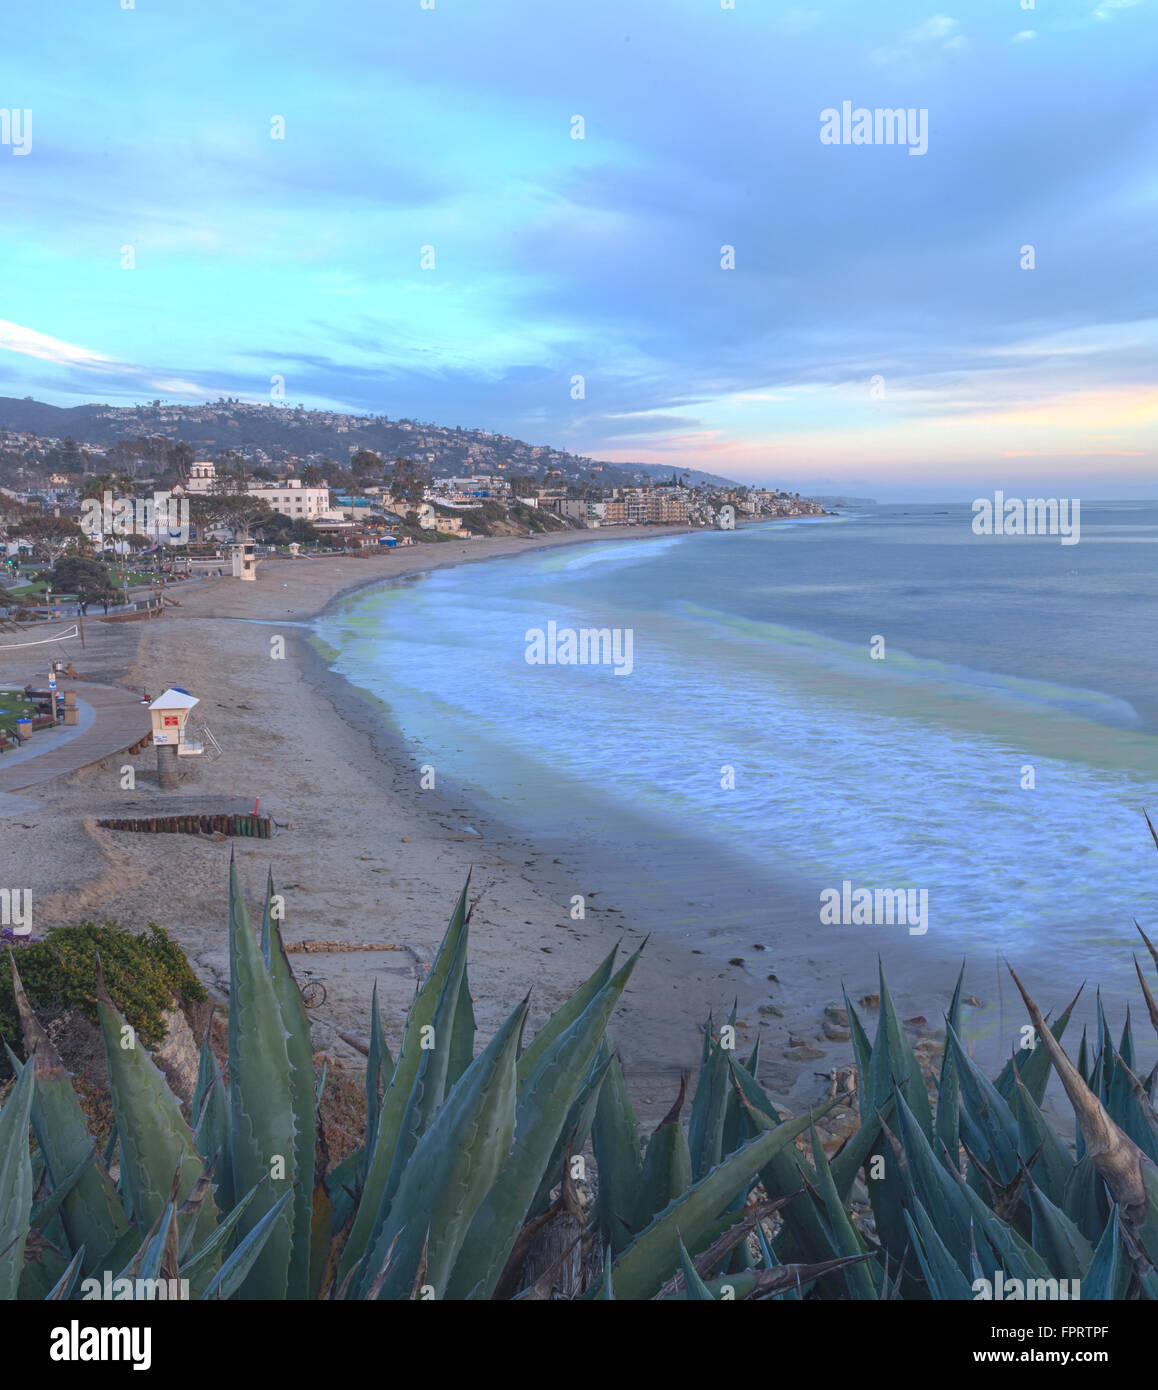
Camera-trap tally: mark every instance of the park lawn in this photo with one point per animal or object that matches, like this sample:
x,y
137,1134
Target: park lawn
x,y
132,577
14,706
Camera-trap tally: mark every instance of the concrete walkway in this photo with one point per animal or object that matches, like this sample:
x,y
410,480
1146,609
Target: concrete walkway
x,y
115,720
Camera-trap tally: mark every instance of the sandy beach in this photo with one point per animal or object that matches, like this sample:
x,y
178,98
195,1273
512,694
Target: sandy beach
x,y
366,858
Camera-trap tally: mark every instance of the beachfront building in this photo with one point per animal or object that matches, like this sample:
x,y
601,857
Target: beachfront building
x,y
292,499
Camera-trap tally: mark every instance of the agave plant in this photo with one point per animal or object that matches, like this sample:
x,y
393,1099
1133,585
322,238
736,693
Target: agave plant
x,y
462,1154
461,1151
974,1184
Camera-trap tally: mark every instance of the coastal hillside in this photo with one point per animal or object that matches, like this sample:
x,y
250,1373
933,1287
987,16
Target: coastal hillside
x,y
277,431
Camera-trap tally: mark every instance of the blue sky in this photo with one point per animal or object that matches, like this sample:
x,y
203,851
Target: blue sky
x,y
877,334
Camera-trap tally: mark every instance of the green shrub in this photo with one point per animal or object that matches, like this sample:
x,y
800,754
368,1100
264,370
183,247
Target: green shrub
x,y
143,973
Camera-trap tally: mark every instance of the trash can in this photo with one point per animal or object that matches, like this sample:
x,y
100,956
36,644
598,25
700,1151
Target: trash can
x,y
24,730
71,714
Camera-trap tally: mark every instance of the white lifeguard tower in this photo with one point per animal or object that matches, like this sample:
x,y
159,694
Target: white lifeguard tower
x,y
169,713
244,557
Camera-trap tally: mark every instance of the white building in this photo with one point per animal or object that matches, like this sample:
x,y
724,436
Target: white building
x,y
292,499
289,497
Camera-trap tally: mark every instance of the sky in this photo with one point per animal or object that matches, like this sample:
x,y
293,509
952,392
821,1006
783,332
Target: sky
x,y
384,206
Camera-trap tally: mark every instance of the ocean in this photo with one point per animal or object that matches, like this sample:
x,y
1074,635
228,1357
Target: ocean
x,y
882,700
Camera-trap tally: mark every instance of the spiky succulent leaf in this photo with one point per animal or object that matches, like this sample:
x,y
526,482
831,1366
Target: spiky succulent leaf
x,y
16,1185
1108,1274
566,1014
615,1139
371,1214
941,1271
91,1213
709,1106
695,1290
462,1035
231,1278
452,1170
155,1141
545,1098
666,1171
1057,1239
301,1062
430,1080
862,1280
261,1099
645,1264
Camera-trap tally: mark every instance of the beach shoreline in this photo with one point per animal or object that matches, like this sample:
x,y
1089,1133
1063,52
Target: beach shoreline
x,y
312,746
373,860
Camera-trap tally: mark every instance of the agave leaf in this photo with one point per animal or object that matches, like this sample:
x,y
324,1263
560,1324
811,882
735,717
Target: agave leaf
x,y
463,1034
988,1126
213,1139
16,1184
606,1287
1032,1063
946,1125
666,1171
545,1097
261,1099
615,1139
92,1214
1130,1107
942,1274
430,1080
300,1053
203,1257
343,1184
1014,1254
706,1126
1085,1200
566,1014
695,1290
370,1214
67,1282
1108,1274
782,1280
233,1273
453,1168
932,1185
155,1141
643,1266
861,1280
854,1153
893,1059
781,1176
323,1252
862,1051
1066,1251
576,1128
1151,1006
1126,1170
1052,1170
46,1210
207,1072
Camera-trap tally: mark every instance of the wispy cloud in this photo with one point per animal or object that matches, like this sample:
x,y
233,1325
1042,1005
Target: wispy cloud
x,y
938,33
1107,8
29,343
